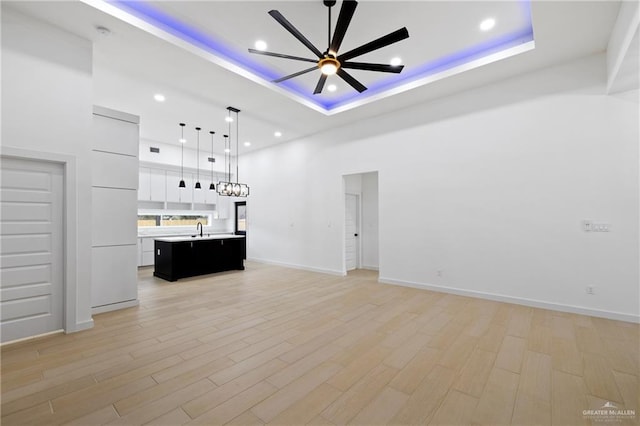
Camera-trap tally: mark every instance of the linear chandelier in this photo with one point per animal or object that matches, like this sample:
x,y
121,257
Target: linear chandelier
x,y
229,188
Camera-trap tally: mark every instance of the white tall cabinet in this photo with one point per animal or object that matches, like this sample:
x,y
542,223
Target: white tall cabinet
x,y
115,175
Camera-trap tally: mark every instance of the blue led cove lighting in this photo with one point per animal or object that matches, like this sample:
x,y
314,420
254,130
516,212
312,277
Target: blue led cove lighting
x,y
179,29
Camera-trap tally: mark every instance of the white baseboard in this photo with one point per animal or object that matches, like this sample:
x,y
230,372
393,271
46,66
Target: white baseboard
x,y
85,325
619,316
302,267
370,268
114,306
37,336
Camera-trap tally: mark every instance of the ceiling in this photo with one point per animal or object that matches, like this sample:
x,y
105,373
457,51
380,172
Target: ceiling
x,y
196,55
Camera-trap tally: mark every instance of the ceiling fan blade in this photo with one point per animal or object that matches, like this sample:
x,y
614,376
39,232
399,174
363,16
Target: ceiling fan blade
x,y
297,34
320,84
372,67
287,77
381,42
352,81
280,55
346,13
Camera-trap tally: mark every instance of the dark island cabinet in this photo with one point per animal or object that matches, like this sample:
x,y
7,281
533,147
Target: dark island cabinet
x,y
181,258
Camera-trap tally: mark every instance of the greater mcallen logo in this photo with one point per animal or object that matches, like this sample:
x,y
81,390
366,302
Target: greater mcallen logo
x,y
609,413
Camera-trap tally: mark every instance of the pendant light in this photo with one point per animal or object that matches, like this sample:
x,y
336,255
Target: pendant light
x,y
198,186
182,142
228,188
212,187
223,187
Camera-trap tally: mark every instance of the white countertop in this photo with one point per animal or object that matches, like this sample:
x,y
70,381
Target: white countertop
x,y
199,238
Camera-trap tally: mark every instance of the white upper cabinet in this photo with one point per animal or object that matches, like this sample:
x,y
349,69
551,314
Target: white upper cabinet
x,y
204,195
152,185
176,194
158,183
144,184
160,186
173,192
186,194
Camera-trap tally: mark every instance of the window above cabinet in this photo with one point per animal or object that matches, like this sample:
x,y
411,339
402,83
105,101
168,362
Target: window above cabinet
x,y
156,220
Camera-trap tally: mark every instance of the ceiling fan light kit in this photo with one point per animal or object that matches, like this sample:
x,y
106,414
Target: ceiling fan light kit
x,y
330,62
328,66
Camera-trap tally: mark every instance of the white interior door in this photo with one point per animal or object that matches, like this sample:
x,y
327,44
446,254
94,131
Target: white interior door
x,y
351,251
31,248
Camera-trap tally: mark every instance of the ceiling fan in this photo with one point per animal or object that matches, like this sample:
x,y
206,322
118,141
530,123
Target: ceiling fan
x,y
330,62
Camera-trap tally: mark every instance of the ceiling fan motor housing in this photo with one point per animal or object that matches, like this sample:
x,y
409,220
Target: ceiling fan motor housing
x,y
329,3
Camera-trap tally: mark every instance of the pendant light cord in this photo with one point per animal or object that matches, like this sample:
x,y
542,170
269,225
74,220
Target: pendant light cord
x,y
198,156
212,133
225,155
230,139
237,151
182,142
329,31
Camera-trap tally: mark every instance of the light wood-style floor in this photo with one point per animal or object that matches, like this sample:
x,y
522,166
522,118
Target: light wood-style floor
x,y
282,346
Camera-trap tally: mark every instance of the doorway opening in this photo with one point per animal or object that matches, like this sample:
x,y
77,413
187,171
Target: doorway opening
x,y
240,227
360,248
352,232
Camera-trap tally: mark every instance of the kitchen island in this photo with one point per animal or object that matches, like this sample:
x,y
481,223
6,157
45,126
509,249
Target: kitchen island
x,y
181,257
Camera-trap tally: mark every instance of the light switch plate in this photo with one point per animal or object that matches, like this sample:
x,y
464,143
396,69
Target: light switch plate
x,y
592,226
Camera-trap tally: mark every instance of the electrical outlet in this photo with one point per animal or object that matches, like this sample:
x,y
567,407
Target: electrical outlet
x,y
601,227
590,289
439,273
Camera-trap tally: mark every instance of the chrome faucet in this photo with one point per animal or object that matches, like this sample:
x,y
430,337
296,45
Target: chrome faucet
x,y
199,226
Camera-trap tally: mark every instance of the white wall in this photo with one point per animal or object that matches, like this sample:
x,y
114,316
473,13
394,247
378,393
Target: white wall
x,y
47,109
170,155
489,186
353,184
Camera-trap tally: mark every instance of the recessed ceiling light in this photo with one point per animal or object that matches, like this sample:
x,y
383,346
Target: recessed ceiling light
x,y
487,24
260,45
182,140
277,134
228,119
227,150
332,88
247,143
395,61
159,97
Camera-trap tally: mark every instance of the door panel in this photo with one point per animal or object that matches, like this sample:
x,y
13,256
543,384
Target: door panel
x,y
31,248
32,275
104,164
113,135
113,225
111,267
